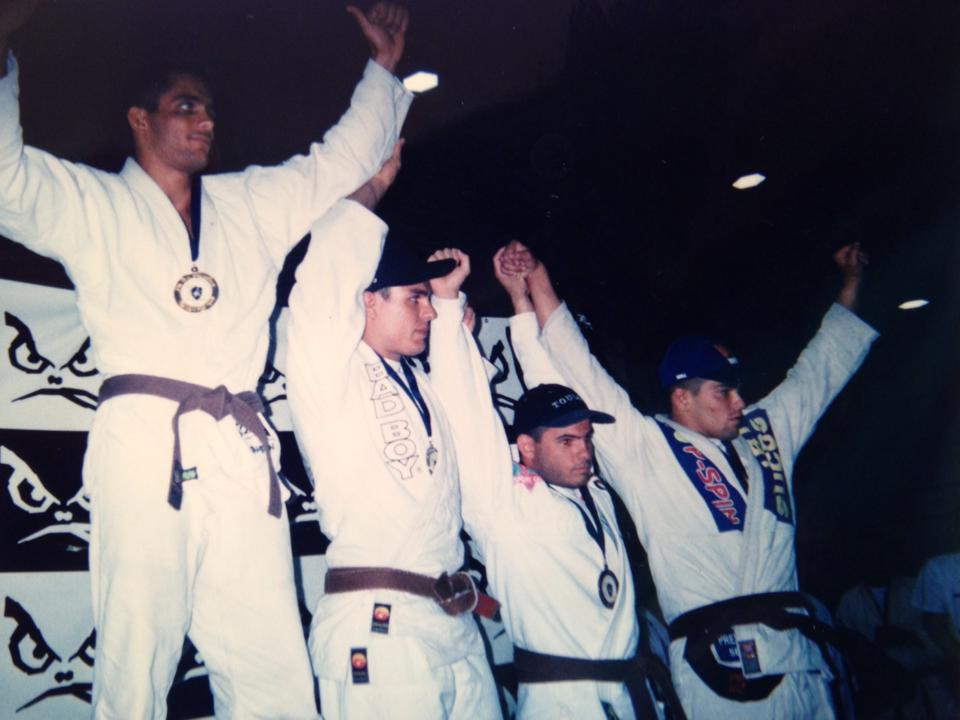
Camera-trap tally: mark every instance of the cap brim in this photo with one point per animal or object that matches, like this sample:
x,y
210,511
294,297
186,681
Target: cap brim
x,y
572,418
438,268
728,375
422,273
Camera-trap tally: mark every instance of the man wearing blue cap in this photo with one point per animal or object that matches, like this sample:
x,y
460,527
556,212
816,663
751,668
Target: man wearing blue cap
x,y
710,489
393,635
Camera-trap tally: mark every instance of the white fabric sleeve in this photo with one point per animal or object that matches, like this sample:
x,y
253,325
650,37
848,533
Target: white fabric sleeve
x,y
327,316
41,196
824,367
458,376
534,360
619,443
287,198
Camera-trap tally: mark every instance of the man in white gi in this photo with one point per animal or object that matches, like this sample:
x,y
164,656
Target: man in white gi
x,y
547,532
710,489
393,635
175,282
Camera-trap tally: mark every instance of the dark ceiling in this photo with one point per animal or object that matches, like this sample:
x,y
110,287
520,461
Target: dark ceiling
x,y
607,134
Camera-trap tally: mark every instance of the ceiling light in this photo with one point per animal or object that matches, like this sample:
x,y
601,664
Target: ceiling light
x,y
421,81
748,181
913,304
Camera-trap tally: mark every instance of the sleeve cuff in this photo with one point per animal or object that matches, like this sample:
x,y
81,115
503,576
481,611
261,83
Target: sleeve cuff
x,y
525,326
376,72
449,310
849,323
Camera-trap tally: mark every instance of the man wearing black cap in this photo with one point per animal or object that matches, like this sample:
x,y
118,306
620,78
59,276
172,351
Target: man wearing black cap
x,y
711,492
546,529
392,636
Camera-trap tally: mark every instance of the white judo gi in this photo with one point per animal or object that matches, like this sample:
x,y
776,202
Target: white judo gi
x,y
701,552
542,564
380,504
221,567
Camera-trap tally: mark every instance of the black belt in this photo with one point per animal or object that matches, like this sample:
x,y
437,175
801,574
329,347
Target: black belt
x,y
703,626
217,402
770,609
535,667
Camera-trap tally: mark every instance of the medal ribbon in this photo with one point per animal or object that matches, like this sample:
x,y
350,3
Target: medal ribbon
x,y
594,529
411,388
194,218
608,595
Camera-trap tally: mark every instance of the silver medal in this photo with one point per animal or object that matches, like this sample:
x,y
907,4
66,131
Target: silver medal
x,y
196,291
609,588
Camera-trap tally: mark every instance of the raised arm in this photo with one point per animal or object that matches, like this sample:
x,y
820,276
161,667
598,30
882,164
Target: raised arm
x,y
458,377
327,316
372,191
511,266
289,197
826,364
570,354
47,204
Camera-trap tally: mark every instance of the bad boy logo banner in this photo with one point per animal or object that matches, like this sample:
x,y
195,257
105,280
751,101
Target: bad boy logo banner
x,y
47,645
48,394
44,515
48,377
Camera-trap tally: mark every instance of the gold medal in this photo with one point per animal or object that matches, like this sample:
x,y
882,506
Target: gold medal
x,y
196,291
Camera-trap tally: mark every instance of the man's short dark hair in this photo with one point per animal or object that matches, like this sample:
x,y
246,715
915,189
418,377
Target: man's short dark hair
x,y
691,384
536,433
153,78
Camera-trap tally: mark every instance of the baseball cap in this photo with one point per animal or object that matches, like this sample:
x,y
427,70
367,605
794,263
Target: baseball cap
x,y
696,356
552,405
401,265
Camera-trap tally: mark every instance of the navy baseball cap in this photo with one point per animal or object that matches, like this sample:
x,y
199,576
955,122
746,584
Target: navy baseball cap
x,y
696,356
401,265
552,406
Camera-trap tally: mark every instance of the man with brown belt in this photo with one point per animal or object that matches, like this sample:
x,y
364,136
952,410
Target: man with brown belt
x,y
176,282
393,636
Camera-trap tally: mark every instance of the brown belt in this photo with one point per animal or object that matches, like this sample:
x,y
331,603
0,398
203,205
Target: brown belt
x,y
455,594
217,402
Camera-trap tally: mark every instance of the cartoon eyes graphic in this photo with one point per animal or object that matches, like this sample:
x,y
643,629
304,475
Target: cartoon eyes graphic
x,y
25,356
87,649
81,364
31,654
28,493
26,490
28,650
23,352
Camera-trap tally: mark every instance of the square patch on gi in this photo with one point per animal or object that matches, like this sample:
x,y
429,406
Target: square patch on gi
x,y
358,666
749,658
380,622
